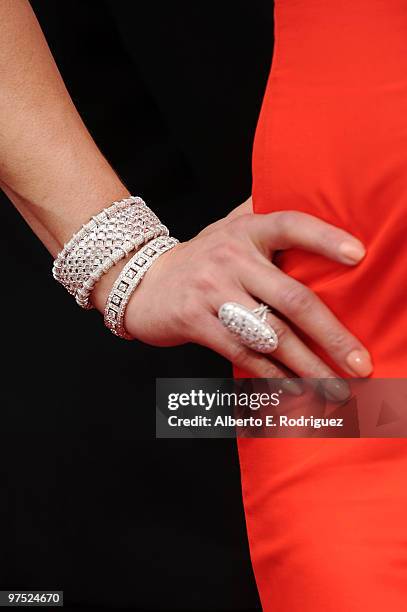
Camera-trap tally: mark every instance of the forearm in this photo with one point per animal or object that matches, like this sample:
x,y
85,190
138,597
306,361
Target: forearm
x,y
49,165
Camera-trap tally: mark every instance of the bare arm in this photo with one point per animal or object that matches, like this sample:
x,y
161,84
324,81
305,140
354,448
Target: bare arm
x,y
55,175
49,165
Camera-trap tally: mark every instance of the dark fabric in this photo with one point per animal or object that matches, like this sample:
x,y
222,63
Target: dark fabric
x,y
91,502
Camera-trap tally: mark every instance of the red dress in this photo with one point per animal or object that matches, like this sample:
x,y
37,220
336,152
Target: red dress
x,y
327,518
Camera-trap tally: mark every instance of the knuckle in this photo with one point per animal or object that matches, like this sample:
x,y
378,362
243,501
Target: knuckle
x,y
297,300
205,281
286,219
269,370
190,312
223,252
242,222
336,341
280,329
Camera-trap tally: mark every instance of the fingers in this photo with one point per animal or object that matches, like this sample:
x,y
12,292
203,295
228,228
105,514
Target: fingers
x,y
294,354
301,306
292,229
291,352
223,262
217,338
212,333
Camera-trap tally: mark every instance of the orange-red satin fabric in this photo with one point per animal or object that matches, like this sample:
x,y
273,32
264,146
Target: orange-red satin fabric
x,y
327,519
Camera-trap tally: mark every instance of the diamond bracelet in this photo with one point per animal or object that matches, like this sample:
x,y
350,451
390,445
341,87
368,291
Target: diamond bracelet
x,y
106,239
83,295
128,280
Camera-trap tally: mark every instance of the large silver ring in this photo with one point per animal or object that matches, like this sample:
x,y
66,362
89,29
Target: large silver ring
x,y
250,326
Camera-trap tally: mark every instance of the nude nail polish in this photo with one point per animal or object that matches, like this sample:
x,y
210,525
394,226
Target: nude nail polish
x,y
292,387
336,389
360,363
352,251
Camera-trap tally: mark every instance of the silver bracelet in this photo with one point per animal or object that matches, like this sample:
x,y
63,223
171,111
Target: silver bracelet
x,y
102,242
83,294
129,278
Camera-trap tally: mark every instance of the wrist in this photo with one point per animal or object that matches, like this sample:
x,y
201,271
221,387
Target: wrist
x,y
105,260
57,214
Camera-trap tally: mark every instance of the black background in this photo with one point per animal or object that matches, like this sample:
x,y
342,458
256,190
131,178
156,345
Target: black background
x,y
91,503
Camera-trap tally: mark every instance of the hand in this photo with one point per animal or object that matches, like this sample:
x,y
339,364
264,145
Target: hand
x,y
230,260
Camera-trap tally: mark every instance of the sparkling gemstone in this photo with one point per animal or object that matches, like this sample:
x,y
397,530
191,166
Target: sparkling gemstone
x,y
123,287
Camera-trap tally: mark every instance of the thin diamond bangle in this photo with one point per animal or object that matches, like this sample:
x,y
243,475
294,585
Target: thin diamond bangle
x,y
128,280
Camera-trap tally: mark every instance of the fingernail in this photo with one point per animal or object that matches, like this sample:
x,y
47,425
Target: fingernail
x,y
336,389
360,363
352,251
291,386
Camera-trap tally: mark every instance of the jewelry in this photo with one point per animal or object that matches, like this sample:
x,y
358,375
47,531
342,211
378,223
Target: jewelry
x,y
250,326
102,242
127,281
83,294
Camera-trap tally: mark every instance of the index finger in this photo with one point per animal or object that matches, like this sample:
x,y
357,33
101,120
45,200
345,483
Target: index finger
x,y
292,229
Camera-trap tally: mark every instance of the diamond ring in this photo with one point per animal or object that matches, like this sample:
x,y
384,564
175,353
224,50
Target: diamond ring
x,y
250,326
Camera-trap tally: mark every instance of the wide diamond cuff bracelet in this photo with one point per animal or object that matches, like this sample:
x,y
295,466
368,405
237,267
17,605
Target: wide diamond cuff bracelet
x,y
106,239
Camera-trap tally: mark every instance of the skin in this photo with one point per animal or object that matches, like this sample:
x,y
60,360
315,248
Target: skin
x,y
57,178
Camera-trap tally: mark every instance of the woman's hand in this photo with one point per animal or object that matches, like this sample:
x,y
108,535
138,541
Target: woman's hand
x,y
53,172
230,261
